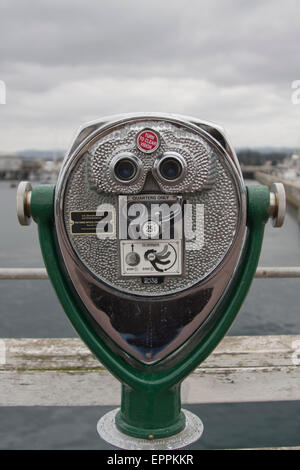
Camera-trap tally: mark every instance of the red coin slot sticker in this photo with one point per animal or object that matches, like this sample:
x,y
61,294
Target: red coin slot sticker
x,y
147,141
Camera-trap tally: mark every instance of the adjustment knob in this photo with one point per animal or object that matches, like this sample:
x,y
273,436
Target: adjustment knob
x,y
277,204
23,203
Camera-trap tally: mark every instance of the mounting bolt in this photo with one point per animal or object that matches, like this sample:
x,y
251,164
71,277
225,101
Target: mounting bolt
x,y
23,203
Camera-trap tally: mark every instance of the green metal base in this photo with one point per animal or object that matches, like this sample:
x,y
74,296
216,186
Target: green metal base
x,y
150,433
108,431
150,414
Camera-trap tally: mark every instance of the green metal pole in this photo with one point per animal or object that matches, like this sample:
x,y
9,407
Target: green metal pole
x,y
150,414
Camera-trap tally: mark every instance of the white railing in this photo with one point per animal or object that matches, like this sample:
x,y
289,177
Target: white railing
x,y
41,273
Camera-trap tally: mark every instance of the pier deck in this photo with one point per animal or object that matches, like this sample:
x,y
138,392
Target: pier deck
x,y
63,372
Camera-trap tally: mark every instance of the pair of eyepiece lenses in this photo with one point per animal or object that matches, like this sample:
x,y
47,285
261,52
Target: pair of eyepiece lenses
x,y
169,169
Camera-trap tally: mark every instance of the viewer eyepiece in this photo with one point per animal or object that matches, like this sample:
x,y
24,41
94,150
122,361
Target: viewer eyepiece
x,y
170,168
125,170
125,167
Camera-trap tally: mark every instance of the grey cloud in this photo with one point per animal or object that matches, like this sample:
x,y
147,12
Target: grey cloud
x,y
257,40
65,62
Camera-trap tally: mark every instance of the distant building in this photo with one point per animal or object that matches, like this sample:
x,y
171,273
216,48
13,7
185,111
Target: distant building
x,y
295,161
49,170
289,169
29,167
10,166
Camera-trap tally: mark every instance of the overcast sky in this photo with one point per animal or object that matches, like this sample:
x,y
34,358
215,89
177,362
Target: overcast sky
x,y
228,61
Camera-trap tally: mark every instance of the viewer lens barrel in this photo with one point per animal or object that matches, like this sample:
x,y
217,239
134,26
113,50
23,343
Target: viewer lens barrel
x,y
170,168
125,169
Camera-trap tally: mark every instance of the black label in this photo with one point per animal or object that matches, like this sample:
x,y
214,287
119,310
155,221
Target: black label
x,y
91,222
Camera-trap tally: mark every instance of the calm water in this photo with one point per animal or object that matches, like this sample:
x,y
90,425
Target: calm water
x,y
30,309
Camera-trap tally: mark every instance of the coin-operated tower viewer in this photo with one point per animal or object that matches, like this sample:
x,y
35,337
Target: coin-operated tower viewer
x,y
151,240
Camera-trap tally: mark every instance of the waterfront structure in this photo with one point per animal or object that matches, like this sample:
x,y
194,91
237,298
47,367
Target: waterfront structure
x,y
10,166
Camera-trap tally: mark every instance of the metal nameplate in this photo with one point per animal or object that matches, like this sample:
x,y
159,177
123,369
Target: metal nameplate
x,y
92,222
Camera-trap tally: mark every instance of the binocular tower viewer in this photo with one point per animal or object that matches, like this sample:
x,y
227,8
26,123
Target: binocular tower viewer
x,y
151,240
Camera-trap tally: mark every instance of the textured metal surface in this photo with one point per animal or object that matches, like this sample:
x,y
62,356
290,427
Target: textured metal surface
x,y
108,431
198,155
221,217
150,321
88,130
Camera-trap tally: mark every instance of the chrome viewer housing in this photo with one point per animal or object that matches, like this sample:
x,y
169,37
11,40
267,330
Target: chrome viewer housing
x,y
118,298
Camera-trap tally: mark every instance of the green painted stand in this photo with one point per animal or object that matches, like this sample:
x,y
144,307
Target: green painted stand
x,y
151,405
